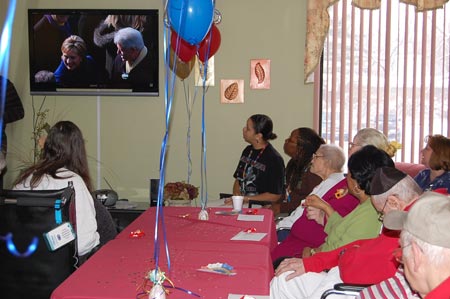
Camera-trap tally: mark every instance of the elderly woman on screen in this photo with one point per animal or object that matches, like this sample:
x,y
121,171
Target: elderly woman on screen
x,y
77,68
327,163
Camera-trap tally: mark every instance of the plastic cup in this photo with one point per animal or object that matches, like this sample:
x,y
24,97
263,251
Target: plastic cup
x,y
238,200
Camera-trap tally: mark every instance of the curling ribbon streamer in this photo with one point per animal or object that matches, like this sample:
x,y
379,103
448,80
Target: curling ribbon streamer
x,y
5,43
12,247
204,181
168,98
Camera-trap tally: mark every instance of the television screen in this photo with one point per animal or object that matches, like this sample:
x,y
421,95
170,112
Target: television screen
x,y
94,51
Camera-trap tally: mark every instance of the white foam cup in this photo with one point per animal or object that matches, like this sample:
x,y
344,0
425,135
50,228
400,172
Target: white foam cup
x,y
238,200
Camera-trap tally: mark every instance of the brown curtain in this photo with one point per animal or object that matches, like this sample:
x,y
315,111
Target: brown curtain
x,y
318,21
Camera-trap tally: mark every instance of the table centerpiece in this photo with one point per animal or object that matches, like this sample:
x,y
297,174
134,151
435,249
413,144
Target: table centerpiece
x,y
179,194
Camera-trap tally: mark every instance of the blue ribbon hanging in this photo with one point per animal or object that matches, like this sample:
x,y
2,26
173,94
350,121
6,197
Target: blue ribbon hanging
x,y
204,181
5,45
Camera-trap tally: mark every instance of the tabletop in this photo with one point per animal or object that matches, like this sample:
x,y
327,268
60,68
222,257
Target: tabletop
x,y
119,269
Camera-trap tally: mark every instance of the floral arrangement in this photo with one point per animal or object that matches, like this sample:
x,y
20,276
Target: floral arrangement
x,y
180,190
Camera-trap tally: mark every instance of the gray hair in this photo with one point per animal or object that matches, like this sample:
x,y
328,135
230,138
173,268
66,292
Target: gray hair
x,y
44,76
334,155
406,190
129,38
371,136
436,255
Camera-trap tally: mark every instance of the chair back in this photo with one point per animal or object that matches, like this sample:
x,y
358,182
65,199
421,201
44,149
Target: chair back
x,y
29,272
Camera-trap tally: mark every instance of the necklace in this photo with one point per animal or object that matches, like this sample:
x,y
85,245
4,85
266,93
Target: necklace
x,y
252,164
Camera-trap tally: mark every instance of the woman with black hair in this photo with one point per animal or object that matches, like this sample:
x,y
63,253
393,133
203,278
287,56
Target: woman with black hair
x,y
259,176
300,146
362,222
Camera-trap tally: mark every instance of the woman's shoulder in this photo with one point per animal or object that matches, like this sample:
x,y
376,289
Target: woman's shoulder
x,y
271,149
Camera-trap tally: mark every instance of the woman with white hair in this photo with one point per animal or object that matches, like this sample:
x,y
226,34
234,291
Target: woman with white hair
x,y
327,163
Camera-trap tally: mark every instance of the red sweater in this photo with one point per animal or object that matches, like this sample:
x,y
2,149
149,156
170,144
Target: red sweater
x,y
367,261
442,291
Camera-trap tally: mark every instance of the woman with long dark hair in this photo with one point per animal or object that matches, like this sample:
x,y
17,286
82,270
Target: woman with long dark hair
x,y
64,160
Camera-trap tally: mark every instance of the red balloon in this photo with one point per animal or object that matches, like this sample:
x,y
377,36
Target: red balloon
x,y
211,41
185,50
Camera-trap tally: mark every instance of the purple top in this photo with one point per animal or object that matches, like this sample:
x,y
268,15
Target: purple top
x,y
308,233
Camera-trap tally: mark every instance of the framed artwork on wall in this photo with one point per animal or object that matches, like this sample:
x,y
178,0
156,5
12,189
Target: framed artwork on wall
x,y
232,91
260,74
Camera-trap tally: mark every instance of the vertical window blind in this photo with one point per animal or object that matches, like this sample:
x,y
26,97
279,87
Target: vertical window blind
x,y
387,69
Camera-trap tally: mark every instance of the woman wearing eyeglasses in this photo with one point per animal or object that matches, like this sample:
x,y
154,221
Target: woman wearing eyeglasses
x,y
327,163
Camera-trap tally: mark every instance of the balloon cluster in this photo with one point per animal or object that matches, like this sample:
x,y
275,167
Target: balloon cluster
x,y
193,33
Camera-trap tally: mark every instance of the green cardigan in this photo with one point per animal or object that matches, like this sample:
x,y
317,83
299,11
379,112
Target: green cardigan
x,y
361,223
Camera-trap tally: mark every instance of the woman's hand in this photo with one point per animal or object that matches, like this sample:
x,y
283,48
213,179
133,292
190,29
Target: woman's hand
x,y
291,264
316,215
228,201
316,202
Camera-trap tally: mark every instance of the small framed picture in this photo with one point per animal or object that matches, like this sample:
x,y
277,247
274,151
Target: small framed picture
x,y
232,91
260,74
199,72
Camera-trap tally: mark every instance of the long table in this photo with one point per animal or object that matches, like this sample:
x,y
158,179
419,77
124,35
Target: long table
x,y
118,269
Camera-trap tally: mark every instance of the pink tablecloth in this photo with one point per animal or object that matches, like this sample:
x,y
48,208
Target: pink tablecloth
x,y
182,224
118,270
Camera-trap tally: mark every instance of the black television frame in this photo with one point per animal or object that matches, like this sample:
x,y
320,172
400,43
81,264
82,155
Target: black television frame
x,y
106,89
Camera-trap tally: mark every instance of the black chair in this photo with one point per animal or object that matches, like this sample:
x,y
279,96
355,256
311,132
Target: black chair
x,y
25,216
344,289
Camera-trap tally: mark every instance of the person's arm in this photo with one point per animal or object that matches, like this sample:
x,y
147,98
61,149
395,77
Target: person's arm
x,y
322,261
362,223
316,202
236,188
266,196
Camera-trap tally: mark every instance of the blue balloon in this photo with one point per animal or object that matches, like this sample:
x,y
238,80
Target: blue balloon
x,y
191,19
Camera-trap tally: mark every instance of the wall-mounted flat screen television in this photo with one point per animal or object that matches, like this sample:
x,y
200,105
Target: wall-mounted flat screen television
x,y
74,51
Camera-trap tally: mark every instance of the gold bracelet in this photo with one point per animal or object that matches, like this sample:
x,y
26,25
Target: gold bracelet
x,y
312,252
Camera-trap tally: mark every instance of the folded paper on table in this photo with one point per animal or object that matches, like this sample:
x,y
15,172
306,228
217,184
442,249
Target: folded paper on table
x,y
259,218
227,213
243,236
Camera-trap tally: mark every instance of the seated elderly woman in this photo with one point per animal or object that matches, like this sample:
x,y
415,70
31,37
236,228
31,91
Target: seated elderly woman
x,y
362,222
327,163
436,157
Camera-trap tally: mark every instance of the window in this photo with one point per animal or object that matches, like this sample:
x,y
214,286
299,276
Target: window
x,y
387,69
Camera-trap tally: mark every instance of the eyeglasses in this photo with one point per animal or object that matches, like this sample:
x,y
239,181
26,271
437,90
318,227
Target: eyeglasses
x,y
352,145
315,156
398,254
